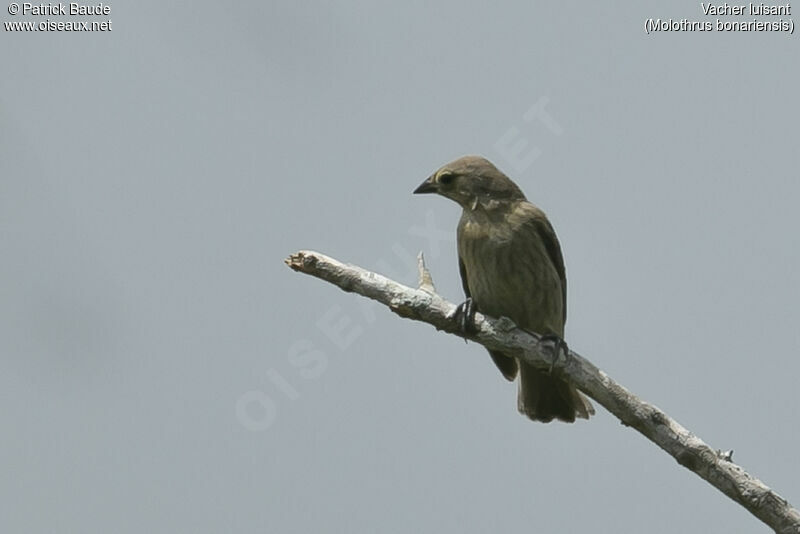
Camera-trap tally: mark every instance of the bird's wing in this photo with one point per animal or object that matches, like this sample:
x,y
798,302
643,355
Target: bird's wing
x,y
508,366
548,236
462,269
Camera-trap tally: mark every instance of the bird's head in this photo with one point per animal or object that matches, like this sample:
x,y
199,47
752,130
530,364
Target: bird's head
x,y
472,181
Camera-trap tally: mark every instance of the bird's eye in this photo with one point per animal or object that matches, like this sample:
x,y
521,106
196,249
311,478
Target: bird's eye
x,y
446,178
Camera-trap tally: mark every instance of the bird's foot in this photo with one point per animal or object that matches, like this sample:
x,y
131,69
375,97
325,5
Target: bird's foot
x,y
559,345
465,316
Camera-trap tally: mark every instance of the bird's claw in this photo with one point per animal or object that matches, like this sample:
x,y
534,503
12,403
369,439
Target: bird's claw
x,y
465,316
725,455
559,345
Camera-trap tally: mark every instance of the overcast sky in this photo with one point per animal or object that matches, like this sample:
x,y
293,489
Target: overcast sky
x,y
161,370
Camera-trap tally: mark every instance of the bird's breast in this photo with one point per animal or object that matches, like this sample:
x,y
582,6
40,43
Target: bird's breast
x,y
509,274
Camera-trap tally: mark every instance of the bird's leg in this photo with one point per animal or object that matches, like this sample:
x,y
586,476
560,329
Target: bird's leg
x,y
558,345
465,315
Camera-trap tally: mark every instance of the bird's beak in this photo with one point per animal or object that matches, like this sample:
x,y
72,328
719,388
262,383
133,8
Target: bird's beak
x,y
428,186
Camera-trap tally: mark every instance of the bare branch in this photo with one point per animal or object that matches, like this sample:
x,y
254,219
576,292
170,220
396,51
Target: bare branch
x,y
501,334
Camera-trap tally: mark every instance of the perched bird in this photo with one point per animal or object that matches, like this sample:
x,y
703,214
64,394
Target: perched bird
x,y
511,266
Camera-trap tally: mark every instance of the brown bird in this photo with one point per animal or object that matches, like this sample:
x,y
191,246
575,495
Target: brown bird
x,y
511,266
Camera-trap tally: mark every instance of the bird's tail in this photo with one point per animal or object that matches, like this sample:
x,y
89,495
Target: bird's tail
x,y
544,398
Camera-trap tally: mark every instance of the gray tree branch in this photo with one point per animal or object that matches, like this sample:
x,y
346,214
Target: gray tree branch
x,y
425,305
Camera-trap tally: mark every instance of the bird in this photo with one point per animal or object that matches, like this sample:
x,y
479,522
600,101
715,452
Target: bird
x,y
511,265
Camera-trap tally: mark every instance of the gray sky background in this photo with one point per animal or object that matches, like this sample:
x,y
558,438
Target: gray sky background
x,y
153,178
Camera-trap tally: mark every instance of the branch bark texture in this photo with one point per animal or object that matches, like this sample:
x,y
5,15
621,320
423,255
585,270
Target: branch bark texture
x,y
424,304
